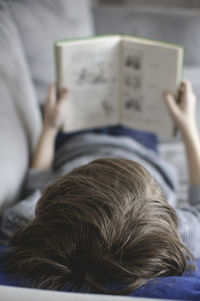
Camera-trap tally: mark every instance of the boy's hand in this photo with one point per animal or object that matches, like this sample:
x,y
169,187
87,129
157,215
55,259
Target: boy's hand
x,y
54,111
183,112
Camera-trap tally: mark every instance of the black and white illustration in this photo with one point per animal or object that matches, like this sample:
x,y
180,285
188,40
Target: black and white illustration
x,y
134,102
108,108
134,59
133,81
93,75
97,72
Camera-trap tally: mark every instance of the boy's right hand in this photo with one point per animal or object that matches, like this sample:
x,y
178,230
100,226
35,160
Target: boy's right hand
x,y
183,112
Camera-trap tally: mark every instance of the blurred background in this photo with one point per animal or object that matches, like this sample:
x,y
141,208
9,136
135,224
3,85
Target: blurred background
x,y
28,29
176,21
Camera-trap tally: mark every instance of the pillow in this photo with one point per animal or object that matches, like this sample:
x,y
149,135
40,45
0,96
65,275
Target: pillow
x,y
40,23
20,120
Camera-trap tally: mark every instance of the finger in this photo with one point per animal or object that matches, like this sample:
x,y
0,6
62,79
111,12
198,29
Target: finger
x,y
171,104
186,86
51,99
63,95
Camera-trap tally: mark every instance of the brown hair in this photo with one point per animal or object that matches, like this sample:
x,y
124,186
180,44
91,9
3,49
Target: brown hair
x,y
104,223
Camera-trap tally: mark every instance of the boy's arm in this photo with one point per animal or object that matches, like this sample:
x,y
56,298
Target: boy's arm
x,y
54,115
184,115
192,145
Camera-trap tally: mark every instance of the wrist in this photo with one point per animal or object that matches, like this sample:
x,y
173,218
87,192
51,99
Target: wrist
x,y
189,130
49,131
190,135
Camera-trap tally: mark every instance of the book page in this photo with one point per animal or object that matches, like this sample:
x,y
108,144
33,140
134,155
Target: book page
x,y
90,71
147,71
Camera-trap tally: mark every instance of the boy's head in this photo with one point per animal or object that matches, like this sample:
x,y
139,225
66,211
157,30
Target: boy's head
x,y
104,223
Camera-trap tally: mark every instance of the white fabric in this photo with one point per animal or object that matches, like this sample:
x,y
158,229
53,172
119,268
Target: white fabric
x,y
9,293
40,23
20,120
29,28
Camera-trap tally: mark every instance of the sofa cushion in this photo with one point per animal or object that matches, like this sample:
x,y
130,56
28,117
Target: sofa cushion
x,y
40,23
20,120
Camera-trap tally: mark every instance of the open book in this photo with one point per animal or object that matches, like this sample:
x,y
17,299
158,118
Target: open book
x,y
116,80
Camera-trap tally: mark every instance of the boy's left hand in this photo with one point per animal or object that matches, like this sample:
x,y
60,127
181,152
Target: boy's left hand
x,y
54,111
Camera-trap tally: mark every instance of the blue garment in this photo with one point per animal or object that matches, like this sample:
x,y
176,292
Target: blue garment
x,y
186,287
5,279
149,140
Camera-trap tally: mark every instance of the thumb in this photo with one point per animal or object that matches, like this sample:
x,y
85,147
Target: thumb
x,y
51,99
171,104
63,95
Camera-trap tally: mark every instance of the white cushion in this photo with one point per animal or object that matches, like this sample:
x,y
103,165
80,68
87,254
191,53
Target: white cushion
x,y
40,23
20,120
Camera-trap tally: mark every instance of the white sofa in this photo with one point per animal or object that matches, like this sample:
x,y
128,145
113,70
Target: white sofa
x,y
28,30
